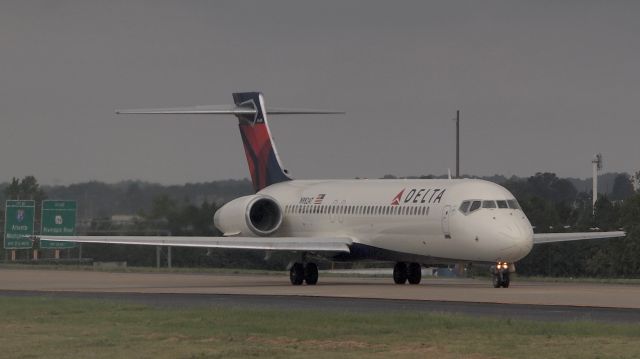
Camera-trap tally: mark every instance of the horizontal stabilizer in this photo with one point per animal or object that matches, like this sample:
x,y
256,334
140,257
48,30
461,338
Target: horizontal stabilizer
x,y
310,244
578,236
226,110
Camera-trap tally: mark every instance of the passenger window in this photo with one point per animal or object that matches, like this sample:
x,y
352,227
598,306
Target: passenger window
x,y
488,204
513,204
474,206
464,207
502,204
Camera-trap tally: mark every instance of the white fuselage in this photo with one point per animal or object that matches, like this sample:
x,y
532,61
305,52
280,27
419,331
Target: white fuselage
x,y
419,217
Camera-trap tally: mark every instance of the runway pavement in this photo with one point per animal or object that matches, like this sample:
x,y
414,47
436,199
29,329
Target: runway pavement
x,y
540,300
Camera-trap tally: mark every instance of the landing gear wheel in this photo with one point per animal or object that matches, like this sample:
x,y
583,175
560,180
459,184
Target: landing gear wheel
x,y
400,273
415,273
296,274
311,273
495,280
505,280
501,280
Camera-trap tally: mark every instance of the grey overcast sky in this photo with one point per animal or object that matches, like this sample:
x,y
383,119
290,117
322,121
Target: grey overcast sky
x,y
542,85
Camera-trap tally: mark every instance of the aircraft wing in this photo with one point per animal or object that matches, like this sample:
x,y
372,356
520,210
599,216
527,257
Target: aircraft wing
x,y
310,244
578,236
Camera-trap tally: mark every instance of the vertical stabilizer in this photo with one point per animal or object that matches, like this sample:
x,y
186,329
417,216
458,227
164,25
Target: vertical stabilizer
x,y
264,164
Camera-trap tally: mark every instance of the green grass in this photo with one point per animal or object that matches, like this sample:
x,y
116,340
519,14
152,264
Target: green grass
x,y
81,267
37,327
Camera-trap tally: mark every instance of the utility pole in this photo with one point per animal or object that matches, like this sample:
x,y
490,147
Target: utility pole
x,y
597,167
458,144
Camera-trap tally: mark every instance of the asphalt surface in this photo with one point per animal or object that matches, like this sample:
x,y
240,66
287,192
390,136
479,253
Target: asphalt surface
x,y
352,305
526,300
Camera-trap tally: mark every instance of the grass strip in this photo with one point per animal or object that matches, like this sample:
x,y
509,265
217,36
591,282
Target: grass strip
x,y
36,327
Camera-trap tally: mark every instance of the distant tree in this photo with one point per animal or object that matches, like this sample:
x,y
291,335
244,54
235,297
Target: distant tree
x,y
163,207
549,186
27,188
622,187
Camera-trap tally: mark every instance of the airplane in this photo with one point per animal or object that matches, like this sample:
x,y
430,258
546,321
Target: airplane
x,y
412,222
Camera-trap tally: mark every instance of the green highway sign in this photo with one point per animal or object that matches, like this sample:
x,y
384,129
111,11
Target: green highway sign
x,y
19,217
58,219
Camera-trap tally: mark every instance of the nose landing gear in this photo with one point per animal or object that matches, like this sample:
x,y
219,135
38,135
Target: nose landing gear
x,y
500,275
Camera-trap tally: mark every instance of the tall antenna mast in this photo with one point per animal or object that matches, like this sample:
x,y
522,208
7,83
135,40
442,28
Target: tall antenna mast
x,y
597,167
457,144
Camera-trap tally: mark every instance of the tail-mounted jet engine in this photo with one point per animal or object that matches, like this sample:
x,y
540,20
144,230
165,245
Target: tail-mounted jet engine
x,y
249,216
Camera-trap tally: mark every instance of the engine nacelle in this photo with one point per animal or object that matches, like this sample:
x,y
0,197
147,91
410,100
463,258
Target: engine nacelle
x,y
249,216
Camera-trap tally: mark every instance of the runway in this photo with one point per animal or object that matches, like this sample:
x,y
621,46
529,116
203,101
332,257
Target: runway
x,y
534,300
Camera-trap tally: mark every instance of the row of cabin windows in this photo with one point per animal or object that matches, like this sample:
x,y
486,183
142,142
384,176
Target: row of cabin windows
x,y
473,205
356,210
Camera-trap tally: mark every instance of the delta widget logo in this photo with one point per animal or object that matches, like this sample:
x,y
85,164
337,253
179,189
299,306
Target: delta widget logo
x,y
396,200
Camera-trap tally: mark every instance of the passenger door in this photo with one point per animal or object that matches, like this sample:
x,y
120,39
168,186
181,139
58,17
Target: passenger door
x,y
446,212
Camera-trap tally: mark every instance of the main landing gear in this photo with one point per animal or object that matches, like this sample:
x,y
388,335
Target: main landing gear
x,y
303,273
500,275
403,272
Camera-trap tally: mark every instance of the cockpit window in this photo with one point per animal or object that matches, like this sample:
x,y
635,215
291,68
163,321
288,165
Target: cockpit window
x,y
488,204
469,206
464,207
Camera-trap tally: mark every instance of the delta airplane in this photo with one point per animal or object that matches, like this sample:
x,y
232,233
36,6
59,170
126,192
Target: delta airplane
x,y
409,222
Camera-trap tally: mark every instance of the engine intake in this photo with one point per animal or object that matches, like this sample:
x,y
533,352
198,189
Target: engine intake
x,y
256,215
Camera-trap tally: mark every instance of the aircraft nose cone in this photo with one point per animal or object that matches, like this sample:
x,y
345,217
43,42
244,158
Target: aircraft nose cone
x,y
517,241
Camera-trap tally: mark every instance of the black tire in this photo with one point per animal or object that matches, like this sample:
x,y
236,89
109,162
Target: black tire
x,y
311,273
415,273
495,279
400,273
296,274
505,280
